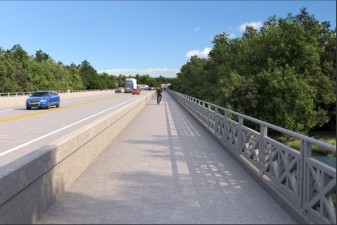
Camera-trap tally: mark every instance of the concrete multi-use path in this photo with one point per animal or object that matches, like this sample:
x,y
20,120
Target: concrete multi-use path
x,y
164,168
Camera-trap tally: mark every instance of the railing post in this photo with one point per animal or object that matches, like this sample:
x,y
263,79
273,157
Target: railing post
x,y
216,120
225,133
240,136
263,134
305,152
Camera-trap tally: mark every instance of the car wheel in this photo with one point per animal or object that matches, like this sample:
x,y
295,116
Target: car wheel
x,y
58,105
28,107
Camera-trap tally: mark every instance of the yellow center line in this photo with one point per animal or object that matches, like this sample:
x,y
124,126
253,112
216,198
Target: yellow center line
x,y
53,110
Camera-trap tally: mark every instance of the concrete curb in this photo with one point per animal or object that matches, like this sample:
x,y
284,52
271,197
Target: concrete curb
x,y
31,184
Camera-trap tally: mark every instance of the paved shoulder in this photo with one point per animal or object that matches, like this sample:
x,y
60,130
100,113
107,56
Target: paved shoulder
x,y
165,168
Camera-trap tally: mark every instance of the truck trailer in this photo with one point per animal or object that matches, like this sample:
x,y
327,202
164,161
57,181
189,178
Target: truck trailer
x,y
130,84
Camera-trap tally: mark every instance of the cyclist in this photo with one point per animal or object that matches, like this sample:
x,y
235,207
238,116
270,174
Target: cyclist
x,y
159,96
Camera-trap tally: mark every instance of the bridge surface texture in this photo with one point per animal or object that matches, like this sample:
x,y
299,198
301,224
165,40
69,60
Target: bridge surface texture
x,y
165,168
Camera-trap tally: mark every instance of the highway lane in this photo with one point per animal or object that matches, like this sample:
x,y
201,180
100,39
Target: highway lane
x,y
6,113
23,131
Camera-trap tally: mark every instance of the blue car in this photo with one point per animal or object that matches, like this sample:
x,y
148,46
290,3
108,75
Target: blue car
x,y
43,99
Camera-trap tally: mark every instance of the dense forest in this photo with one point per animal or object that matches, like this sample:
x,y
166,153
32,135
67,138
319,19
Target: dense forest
x,y
20,72
284,73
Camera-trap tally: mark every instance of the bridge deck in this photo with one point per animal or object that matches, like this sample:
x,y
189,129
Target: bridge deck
x,y
165,168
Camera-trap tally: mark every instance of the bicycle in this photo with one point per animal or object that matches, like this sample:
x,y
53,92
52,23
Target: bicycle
x,y
158,99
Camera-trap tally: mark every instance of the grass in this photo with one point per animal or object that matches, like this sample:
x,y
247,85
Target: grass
x,y
325,136
328,137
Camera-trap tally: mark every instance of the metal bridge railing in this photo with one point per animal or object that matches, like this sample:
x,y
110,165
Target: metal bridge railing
x,y
14,94
310,183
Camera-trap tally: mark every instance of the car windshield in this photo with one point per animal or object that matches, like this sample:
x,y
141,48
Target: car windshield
x,y
40,94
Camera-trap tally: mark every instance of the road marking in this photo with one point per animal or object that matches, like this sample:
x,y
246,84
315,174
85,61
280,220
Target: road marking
x,y
53,110
63,128
6,110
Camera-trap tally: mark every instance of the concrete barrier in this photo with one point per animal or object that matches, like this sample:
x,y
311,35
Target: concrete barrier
x,y
13,101
31,184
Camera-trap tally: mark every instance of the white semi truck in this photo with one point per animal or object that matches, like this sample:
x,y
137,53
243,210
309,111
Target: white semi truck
x,y
130,84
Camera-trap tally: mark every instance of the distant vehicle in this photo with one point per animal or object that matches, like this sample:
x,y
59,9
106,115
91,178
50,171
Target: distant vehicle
x,y
142,86
136,91
127,90
149,88
130,84
43,99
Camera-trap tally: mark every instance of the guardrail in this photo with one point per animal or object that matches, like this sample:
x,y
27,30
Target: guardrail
x,y
13,94
306,181
18,99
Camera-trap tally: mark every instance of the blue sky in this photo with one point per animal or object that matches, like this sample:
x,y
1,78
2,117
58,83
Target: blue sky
x,y
137,37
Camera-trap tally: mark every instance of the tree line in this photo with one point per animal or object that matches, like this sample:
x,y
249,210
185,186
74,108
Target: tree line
x,y
20,72
283,73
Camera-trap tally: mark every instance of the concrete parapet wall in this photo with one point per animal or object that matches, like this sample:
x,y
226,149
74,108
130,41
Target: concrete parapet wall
x,y
13,101
31,184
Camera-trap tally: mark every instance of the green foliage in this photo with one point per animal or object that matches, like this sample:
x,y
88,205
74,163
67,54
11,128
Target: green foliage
x,y
20,72
41,56
191,78
288,100
284,73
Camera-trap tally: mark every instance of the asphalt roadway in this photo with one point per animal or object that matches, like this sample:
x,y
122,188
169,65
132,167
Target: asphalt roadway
x,y
23,131
164,168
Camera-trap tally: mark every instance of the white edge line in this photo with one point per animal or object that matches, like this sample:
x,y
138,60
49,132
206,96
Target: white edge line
x,y
56,131
6,110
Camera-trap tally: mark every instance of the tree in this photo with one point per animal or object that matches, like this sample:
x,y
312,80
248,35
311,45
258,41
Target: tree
x,y
40,56
89,75
287,100
191,78
288,61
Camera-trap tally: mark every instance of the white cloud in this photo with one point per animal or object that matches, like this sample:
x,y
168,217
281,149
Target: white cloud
x,y
197,52
255,25
197,29
153,72
232,36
